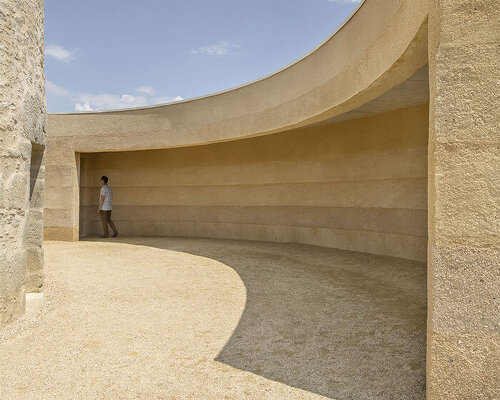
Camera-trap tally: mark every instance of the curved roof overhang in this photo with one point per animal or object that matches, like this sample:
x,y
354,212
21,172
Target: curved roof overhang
x,y
382,45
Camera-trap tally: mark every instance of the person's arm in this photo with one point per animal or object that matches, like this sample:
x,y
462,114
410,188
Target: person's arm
x,y
100,204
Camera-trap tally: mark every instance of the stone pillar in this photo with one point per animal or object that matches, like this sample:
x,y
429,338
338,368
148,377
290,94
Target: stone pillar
x,y
463,346
22,128
34,228
62,194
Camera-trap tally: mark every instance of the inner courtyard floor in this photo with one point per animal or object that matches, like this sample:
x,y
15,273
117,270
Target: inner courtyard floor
x,y
178,318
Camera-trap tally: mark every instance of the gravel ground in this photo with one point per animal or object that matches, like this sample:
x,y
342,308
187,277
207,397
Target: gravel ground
x,y
173,318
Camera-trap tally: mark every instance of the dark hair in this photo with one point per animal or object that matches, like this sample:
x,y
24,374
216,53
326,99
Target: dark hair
x,y
105,179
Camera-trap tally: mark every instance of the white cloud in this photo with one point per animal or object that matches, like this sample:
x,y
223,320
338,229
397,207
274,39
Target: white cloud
x,y
221,48
55,89
83,107
58,52
92,102
163,100
146,90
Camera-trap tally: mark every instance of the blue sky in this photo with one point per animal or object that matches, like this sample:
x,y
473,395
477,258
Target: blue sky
x,y
109,54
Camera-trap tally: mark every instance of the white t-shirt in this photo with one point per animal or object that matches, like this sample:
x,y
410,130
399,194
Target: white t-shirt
x,y
107,192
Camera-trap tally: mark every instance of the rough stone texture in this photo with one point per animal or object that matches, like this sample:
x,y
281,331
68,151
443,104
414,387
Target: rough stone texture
x,y
34,227
169,318
22,127
464,201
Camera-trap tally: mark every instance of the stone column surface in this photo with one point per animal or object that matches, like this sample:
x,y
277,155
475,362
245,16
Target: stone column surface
x,y
22,129
62,194
463,346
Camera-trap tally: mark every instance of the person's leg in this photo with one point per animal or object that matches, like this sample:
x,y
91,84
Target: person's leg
x,y
104,221
110,222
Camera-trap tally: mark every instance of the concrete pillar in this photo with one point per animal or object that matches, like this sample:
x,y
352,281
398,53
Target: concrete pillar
x,y
22,127
463,350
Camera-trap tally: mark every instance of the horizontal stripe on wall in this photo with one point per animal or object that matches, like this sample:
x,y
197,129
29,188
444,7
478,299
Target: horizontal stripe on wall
x,y
404,221
401,193
410,164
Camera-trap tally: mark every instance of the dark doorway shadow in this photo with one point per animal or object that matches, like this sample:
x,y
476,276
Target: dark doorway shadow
x,y
341,324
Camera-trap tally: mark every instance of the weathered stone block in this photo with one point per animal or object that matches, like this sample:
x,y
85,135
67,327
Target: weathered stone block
x,y
22,127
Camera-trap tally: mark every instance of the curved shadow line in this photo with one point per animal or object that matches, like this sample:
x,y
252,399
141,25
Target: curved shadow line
x,y
336,323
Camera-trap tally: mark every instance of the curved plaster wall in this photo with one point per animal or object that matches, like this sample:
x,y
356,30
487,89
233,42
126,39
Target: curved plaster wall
x,y
382,45
357,185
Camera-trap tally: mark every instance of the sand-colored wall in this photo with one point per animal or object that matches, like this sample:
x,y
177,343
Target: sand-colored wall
x,y
464,201
381,46
357,185
22,137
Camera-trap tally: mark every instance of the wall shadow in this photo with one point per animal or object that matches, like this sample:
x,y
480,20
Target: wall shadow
x,y
341,324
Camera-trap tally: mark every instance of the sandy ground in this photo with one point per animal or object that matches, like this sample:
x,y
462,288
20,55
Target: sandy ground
x,y
170,318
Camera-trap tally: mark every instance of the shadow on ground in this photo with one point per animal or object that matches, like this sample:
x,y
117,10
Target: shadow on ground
x,y
340,324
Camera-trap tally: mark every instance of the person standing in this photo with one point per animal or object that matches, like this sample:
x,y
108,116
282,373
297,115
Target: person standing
x,y
105,207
